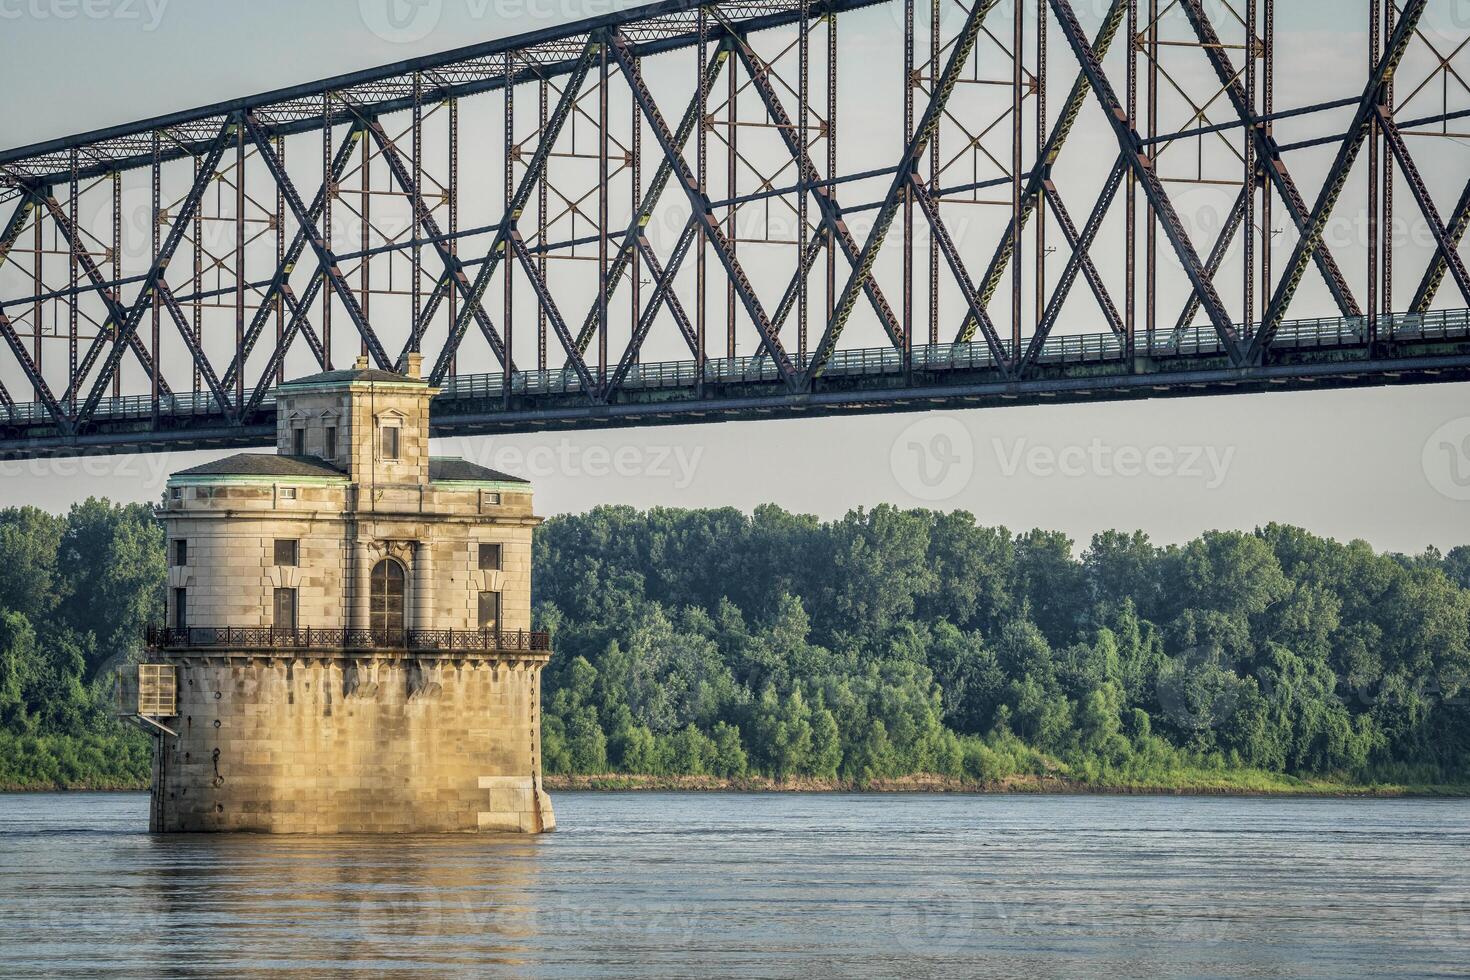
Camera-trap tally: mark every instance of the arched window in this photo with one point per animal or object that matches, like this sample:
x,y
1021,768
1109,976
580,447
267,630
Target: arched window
x,y
386,597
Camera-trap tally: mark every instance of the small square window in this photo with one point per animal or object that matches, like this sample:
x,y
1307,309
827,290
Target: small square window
x,y
490,557
329,442
287,552
176,493
288,493
298,442
181,552
492,498
390,442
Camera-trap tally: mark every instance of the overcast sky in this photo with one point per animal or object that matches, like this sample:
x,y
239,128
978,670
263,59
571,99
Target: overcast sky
x,y
1390,465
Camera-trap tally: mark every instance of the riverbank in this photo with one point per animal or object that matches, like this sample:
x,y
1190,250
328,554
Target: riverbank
x,y
1236,784
1247,783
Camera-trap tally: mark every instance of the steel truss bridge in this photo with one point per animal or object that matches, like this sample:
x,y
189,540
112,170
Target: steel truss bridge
x,y
650,217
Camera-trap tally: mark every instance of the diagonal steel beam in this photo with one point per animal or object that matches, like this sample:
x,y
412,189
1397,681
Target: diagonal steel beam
x,y
1447,246
964,44
1434,275
700,205
297,323
807,258
553,316
535,171
1076,262
1233,221
1267,152
664,274
208,164
206,370
115,311
43,390
692,115
825,195
1080,242
319,244
281,280
17,223
930,209
1143,170
662,293
453,268
1337,175
1035,181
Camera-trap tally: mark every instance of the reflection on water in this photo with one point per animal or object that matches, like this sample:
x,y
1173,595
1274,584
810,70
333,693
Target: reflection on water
x,y
731,884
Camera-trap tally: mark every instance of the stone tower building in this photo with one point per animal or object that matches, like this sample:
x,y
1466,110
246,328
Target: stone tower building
x,y
349,629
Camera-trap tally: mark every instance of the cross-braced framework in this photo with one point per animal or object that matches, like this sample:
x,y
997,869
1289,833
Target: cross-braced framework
x,y
770,207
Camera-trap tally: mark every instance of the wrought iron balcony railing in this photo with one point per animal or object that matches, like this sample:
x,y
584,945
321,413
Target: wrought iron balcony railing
x,y
315,638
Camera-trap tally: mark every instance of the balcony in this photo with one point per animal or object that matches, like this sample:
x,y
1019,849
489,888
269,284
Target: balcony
x,y
243,639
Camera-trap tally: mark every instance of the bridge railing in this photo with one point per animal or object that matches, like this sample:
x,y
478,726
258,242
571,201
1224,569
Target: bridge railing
x,y
324,639
1303,334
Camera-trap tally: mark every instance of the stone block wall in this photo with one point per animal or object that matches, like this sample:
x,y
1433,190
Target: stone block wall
x,y
390,745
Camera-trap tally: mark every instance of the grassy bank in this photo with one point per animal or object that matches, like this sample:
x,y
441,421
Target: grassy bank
x,y
1182,784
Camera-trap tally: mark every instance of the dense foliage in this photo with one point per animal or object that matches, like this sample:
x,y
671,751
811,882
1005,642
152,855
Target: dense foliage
x,y
75,593
883,644
893,642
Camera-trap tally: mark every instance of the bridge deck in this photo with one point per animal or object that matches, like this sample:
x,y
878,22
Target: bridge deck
x,y
1430,347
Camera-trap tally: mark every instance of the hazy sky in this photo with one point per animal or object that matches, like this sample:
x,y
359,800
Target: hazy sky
x,y
1382,464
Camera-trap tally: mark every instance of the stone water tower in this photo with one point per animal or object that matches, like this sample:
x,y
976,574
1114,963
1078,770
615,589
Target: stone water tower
x,y
348,636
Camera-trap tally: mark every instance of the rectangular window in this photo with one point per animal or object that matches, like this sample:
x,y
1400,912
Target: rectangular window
x,y
492,498
181,552
288,493
298,442
329,442
490,557
285,609
176,493
390,442
490,610
181,609
287,552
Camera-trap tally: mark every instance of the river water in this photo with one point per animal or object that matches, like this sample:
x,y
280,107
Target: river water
x,y
758,885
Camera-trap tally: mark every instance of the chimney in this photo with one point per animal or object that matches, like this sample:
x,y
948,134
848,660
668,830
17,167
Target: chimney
x,y
415,365
361,364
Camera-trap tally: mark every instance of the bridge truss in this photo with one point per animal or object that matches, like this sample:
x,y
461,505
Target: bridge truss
x,y
761,207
